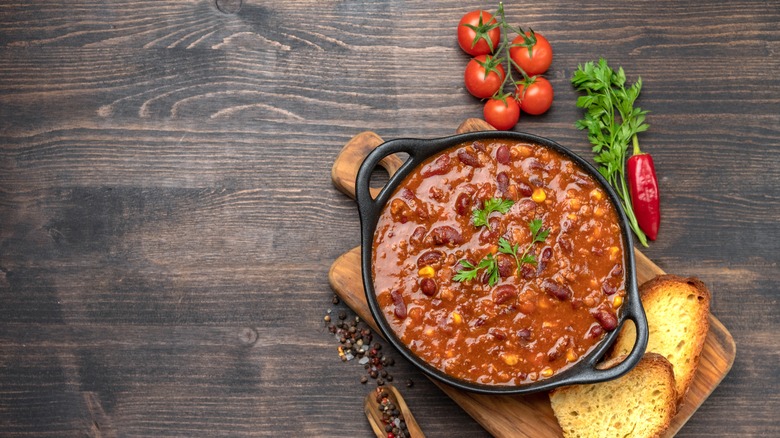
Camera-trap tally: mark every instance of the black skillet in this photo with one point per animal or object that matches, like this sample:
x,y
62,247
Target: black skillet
x,y
585,370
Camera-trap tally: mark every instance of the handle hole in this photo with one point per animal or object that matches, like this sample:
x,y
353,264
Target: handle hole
x,y
379,178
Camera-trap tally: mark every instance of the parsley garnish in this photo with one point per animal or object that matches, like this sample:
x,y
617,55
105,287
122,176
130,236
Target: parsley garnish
x,y
537,235
480,217
612,122
489,263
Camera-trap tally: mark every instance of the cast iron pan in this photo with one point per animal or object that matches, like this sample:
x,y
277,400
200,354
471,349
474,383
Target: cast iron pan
x,y
585,370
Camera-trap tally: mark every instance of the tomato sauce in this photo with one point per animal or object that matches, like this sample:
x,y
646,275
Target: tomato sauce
x,y
527,322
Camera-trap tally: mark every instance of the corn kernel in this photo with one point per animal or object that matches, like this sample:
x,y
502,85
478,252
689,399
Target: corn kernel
x,y
450,353
427,272
547,372
456,318
429,332
571,216
598,211
613,251
596,194
574,203
511,359
571,356
617,301
539,195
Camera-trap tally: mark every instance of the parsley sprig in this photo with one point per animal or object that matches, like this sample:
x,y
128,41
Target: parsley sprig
x,y
537,235
480,217
612,122
489,264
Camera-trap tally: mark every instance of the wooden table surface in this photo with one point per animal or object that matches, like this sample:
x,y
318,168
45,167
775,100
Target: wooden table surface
x,y
167,218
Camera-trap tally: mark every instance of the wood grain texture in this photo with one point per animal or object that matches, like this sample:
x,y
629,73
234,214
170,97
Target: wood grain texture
x,y
509,416
165,192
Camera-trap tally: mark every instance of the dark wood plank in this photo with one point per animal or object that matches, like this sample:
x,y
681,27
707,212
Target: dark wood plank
x,y
165,183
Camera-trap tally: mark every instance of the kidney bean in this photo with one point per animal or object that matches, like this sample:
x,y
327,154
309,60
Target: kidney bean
x,y
617,270
608,289
557,350
544,257
468,158
504,293
605,318
418,236
594,332
524,334
502,181
524,189
463,204
527,272
446,235
478,145
440,166
565,244
428,286
486,236
400,306
408,194
480,321
526,205
502,154
429,258
506,265
498,334
561,292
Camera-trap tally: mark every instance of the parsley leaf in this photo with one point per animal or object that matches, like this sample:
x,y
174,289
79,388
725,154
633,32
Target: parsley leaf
x,y
467,274
537,235
489,264
480,217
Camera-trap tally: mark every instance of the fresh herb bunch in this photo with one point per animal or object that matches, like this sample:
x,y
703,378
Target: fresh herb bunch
x,y
612,122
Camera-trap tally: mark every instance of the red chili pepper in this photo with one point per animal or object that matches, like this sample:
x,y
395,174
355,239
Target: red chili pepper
x,y
644,191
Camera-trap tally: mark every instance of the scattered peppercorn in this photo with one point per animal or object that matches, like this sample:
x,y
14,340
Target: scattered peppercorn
x,y
356,339
335,299
395,424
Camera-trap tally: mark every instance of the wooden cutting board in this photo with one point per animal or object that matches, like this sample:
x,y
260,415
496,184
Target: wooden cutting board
x,y
501,415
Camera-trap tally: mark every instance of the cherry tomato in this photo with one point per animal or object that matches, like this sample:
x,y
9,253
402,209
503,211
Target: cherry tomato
x,y
479,83
540,59
536,97
502,115
486,29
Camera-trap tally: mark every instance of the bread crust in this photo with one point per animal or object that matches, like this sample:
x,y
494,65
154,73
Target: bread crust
x,y
654,289
652,368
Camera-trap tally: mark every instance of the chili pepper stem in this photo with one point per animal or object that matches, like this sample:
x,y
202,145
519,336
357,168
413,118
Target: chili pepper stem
x,y
635,140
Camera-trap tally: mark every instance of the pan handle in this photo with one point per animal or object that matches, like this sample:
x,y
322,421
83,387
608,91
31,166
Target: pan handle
x,y
346,165
592,373
370,201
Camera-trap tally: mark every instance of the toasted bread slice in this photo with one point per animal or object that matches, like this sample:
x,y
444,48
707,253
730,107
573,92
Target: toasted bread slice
x,y
642,403
677,311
